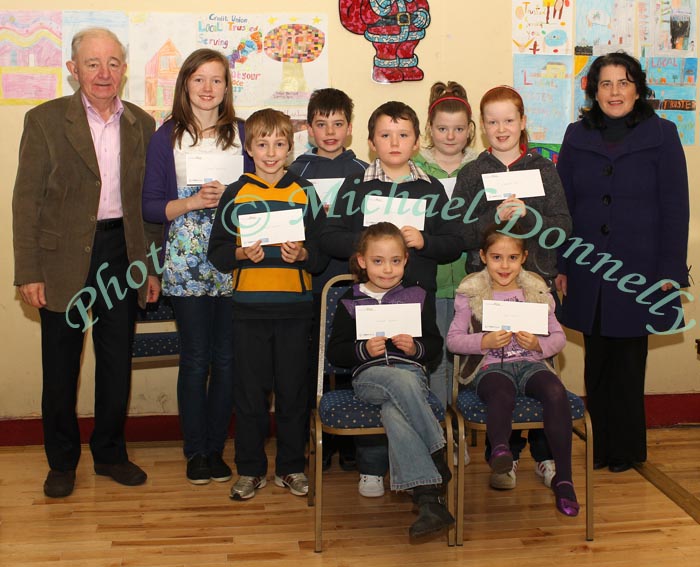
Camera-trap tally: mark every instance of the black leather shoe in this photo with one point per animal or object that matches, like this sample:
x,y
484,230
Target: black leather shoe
x,y
59,484
126,473
619,467
327,460
346,459
597,465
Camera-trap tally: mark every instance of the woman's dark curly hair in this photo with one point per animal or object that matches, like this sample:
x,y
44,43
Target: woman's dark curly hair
x,y
594,117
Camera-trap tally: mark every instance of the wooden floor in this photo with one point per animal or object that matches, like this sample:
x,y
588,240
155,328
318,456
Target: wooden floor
x,y
169,522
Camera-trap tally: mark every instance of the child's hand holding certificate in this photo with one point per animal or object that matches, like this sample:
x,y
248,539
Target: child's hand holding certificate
x,y
388,320
272,227
515,316
520,184
399,211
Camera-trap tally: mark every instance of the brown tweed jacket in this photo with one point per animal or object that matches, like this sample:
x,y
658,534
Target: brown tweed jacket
x,y
57,193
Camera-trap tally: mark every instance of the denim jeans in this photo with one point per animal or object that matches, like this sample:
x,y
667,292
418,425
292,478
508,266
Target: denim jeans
x,y
441,377
205,398
411,427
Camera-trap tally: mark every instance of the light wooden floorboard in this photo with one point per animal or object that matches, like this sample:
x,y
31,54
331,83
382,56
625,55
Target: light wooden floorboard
x,y
169,522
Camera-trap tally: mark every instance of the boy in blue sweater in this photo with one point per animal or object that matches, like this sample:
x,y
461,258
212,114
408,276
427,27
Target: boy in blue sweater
x,y
329,124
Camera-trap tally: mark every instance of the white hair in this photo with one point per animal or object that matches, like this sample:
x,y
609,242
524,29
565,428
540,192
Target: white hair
x,y
94,32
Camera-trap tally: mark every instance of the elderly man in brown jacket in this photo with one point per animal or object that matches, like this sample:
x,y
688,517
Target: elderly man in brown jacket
x,y
81,247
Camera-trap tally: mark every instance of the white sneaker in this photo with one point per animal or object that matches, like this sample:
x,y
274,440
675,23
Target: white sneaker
x,y
546,471
504,481
467,459
371,486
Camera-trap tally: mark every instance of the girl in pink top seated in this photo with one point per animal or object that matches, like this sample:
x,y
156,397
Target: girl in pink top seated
x,y
504,364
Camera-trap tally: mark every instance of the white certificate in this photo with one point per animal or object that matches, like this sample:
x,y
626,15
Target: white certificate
x,y
396,210
219,166
388,320
516,316
327,189
449,184
272,227
525,183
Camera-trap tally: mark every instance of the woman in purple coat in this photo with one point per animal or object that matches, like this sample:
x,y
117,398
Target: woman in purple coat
x,y
626,183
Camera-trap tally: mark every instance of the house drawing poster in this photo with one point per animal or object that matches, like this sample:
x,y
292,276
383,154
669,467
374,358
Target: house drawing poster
x,y
31,64
667,28
545,84
274,60
542,26
603,26
673,81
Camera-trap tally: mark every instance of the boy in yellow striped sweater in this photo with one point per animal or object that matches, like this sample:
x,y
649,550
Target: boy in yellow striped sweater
x,y
272,305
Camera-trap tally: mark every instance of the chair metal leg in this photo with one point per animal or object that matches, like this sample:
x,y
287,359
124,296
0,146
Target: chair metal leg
x,y
318,512
312,460
589,477
587,436
450,495
461,443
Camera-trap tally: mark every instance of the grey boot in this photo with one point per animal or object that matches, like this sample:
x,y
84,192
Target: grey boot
x,y
433,516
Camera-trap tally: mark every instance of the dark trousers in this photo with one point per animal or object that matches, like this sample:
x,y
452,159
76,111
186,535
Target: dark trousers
x,y
61,350
271,355
614,375
205,377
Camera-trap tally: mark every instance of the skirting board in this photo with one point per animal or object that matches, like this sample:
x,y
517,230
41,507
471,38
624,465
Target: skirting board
x,y
663,410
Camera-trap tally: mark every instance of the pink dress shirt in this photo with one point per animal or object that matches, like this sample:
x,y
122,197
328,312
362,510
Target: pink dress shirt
x,y
105,138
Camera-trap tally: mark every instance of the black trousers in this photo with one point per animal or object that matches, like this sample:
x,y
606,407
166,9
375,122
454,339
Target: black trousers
x,y
113,313
614,375
271,355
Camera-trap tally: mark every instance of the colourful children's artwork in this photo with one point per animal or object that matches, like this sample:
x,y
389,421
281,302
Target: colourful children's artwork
x,y
394,28
673,81
550,151
582,65
545,85
667,28
30,57
274,60
603,26
666,34
542,27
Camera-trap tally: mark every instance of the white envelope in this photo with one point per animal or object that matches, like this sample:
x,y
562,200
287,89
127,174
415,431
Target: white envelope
x,y
387,320
218,166
525,183
272,227
449,184
516,316
327,189
396,210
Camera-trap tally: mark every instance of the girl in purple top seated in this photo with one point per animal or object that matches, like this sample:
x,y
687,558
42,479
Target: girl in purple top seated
x,y
504,364
389,372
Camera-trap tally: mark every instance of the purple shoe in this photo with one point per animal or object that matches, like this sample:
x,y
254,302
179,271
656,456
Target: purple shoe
x,y
501,460
565,497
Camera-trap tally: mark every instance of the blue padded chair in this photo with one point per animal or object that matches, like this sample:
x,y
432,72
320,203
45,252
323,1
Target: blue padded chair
x,y
155,349
340,412
527,414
